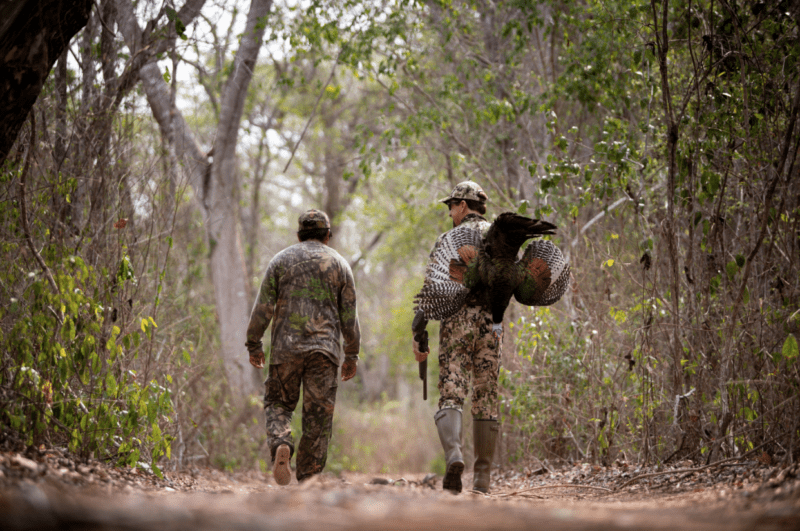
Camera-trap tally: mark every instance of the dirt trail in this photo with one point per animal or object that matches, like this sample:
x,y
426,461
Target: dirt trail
x,y
49,491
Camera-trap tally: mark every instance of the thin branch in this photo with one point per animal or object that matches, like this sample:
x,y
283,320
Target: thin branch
x,y
313,111
696,469
557,486
364,252
24,208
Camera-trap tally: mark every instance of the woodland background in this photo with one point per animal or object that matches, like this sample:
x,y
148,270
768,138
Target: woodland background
x,y
172,146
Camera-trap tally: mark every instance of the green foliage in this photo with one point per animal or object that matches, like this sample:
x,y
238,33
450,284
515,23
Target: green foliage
x,y
68,374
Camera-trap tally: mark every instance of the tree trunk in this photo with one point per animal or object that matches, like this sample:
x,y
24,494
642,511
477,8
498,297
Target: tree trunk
x,y
227,259
215,184
662,49
33,34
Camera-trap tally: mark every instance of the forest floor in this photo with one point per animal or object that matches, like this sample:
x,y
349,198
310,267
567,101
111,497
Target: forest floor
x,y
45,490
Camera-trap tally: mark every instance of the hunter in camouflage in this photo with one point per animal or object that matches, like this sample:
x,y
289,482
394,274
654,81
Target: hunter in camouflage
x,y
468,351
309,296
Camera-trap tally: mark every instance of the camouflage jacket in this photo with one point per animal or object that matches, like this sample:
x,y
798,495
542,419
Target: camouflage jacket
x,y
477,222
310,294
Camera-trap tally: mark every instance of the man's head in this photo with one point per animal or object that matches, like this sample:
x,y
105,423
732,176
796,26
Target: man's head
x,y
313,225
466,198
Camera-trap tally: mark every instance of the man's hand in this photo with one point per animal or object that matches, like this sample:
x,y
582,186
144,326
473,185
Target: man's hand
x,y
497,331
257,359
349,369
420,337
418,355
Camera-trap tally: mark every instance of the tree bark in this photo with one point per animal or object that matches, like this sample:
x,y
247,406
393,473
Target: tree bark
x,y
33,34
662,49
215,184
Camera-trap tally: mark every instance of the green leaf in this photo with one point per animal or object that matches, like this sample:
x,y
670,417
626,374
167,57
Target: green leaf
x,y
790,350
731,268
111,384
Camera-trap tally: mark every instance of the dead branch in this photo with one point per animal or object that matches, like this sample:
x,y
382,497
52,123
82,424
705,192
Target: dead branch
x,y
696,469
557,486
24,209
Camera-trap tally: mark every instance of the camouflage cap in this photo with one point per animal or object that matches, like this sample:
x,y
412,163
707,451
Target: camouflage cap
x,y
466,190
313,219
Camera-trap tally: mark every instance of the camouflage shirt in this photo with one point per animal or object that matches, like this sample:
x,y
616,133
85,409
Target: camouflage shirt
x,y
309,292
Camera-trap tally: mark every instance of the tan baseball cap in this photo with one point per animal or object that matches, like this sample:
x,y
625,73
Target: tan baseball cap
x,y
313,219
466,190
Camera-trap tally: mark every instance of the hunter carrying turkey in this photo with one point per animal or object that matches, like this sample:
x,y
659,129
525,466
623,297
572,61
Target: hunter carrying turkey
x,y
472,274
309,291
467,348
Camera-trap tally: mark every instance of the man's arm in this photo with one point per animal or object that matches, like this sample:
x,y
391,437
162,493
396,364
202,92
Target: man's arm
x,y
351,330
260,317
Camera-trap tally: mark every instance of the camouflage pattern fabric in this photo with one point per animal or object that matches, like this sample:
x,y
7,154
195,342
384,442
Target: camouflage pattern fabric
x,y
466,190
313,219
317,374
469,350
309,292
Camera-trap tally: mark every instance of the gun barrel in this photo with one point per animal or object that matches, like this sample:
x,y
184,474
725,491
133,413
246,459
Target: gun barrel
x,y
423,375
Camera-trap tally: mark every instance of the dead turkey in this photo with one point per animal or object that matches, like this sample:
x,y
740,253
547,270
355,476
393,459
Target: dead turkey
x,y
463,262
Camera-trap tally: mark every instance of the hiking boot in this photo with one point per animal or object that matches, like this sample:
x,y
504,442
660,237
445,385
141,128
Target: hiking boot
x,y
448,422
485,436
281,470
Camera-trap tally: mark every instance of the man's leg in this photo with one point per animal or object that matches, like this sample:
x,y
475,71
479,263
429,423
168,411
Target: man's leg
x,y
280,400
486,364
455,340
319,397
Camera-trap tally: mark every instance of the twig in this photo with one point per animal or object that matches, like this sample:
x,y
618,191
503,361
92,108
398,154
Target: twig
x,y
558,486
697,469
24,209
313,111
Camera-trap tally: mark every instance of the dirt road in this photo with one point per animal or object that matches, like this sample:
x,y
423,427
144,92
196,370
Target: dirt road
x,y
49,494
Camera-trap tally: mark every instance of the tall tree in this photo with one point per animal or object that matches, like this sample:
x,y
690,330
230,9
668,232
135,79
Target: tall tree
x,y
213,176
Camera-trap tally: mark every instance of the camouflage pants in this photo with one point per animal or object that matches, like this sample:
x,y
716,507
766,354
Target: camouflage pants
x,y
467,348
317,374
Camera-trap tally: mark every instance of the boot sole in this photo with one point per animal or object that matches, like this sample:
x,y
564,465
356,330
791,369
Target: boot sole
x,y
452,480
281,471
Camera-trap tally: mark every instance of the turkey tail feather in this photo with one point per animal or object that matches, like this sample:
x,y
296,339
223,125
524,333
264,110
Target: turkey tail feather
x,y
546,274
443,292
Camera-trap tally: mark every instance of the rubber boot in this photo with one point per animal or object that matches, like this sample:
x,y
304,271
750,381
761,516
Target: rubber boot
x,y
485,437
448,422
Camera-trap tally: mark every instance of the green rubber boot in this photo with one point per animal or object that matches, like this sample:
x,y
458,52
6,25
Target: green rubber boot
x,y
485,436
448,422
